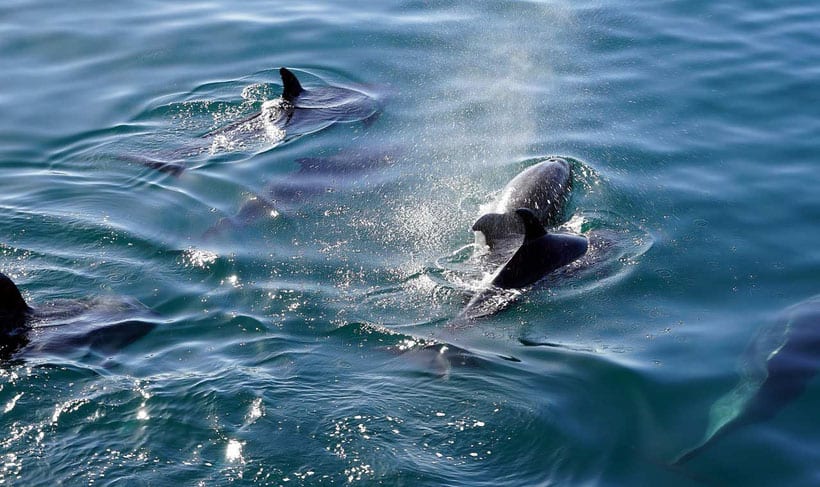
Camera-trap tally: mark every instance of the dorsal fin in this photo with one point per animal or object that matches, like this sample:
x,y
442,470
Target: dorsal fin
x,y
291,88
12,304
532,227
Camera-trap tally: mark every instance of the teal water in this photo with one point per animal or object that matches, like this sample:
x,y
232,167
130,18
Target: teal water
x,y
275,359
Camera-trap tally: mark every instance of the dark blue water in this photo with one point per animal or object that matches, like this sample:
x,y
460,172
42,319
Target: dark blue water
x,y
273,342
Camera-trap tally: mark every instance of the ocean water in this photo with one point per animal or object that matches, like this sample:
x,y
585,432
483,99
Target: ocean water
x,y
285,345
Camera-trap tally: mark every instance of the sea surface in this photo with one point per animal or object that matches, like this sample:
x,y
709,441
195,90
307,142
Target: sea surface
x,y
293,290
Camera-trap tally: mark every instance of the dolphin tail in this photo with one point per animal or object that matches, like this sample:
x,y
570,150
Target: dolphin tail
x,y
689,454
292,88
737,408
723,426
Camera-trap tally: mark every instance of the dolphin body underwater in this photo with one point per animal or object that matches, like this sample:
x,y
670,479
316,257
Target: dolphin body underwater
x,y
96,326
789,368
316,175
543,188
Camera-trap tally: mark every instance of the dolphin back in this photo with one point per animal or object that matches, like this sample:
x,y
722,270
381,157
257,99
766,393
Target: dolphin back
x,y
538,257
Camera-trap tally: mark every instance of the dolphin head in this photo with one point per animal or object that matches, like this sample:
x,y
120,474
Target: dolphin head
x,y
13,308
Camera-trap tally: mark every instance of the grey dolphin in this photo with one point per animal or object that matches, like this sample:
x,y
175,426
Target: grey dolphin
x,y
789,368
539,254
543,188
300,111
297,111
316,175
23,327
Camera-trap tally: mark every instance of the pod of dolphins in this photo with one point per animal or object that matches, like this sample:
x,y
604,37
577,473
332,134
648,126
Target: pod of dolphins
x,y
515,233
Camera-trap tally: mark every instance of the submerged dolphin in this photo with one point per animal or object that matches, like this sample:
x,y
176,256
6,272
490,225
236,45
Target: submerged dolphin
x,y
23,328
316,175
543,188
540,254
789,368
299,111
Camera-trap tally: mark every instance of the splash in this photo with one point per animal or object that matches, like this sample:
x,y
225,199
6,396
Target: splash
x,y
266,129
203,259
256,411
12,403
233,452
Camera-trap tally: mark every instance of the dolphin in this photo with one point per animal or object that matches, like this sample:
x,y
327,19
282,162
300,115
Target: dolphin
x,y
297,111
538,255
316,175
788,370
300,111
24,329
543,188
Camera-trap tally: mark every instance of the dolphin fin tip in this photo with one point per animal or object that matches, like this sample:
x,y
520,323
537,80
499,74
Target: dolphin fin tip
x,y
291,86
533,228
